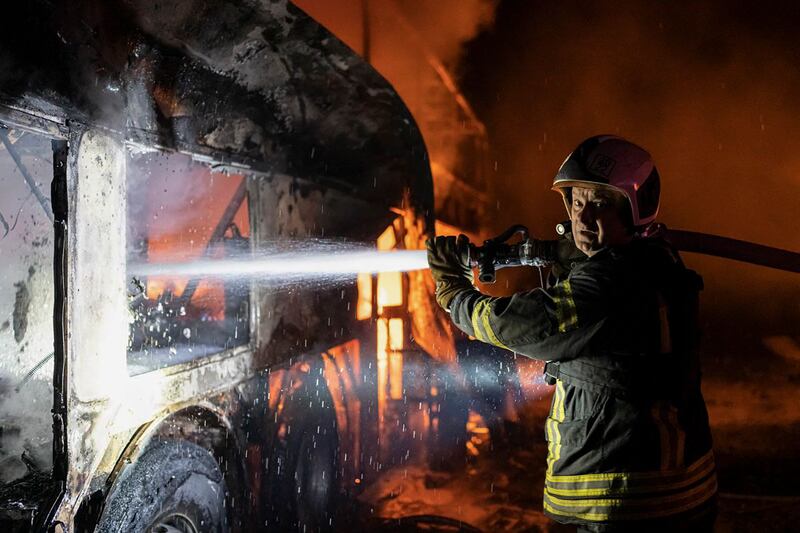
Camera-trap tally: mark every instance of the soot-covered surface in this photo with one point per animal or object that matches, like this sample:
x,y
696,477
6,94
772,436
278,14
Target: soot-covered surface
x,y
257,83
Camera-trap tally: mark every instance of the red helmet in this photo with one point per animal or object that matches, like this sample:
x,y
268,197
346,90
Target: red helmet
x,y
612,162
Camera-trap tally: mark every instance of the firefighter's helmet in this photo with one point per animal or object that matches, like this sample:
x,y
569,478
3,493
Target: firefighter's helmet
x,y
612,162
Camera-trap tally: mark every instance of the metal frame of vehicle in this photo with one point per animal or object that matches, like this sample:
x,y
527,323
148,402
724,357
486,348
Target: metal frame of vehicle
x,y
105,418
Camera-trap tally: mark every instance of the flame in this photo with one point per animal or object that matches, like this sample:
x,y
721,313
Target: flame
x,y
396,345
180,228
364,304
390,339
383,372
390,284
342,373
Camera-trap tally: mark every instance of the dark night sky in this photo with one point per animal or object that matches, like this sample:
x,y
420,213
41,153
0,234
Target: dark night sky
x,y
711,89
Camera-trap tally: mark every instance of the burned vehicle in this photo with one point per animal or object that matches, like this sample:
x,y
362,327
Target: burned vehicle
x,y
143,133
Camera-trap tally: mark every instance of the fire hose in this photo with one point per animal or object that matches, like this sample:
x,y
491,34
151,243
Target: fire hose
x,y
497,253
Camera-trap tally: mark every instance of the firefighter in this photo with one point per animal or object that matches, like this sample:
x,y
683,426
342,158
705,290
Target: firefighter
x,y
629,446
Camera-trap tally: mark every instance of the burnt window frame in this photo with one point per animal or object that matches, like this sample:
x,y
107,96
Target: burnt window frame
x,y
58,132
214,163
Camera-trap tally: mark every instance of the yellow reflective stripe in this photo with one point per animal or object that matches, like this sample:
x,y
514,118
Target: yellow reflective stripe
x,y
553,434
485,314
481,325
624,514
629,510
548,425
625,476
594,517
704,489
606,491
548,428
476,313
566,312
559,418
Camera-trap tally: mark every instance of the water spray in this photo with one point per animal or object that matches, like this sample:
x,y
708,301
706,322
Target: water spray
x,y
315,263
326,260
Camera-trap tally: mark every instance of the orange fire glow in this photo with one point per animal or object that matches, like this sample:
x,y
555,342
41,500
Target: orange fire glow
x,y
390,330
390,284
342,369
383,372
364,304
186,236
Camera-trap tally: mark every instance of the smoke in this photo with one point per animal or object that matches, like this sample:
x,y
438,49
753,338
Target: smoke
x,y
415,44
708,90
443,25
446,25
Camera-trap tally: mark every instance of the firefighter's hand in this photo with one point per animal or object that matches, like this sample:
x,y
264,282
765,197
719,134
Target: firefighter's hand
x,y
448,258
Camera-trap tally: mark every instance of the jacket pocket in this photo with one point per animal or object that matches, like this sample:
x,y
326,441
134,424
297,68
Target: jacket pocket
x,y
574,414
567,433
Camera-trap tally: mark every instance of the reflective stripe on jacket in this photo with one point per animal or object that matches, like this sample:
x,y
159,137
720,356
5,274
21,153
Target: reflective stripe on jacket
x,y
627,434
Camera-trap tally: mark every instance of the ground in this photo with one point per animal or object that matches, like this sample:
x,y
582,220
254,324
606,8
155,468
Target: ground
x,y
755,416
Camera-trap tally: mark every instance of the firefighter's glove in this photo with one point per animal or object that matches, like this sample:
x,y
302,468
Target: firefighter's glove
x,y
448,258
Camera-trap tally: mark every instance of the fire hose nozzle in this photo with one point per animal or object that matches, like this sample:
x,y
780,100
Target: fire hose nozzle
x,y
497,253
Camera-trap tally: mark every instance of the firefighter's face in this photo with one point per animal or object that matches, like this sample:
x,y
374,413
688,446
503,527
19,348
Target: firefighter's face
x,y
598,219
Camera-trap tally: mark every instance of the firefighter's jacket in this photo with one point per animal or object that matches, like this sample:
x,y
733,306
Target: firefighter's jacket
x,y
628,436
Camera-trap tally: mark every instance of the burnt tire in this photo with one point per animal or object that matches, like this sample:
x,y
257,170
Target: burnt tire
x,y
314,459
303,481
173,487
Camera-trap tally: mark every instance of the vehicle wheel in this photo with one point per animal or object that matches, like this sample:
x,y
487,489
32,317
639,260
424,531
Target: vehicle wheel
x,y
303,481
314,460
174,487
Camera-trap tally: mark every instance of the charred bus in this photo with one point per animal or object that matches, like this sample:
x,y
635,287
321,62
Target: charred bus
x,y
143,132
